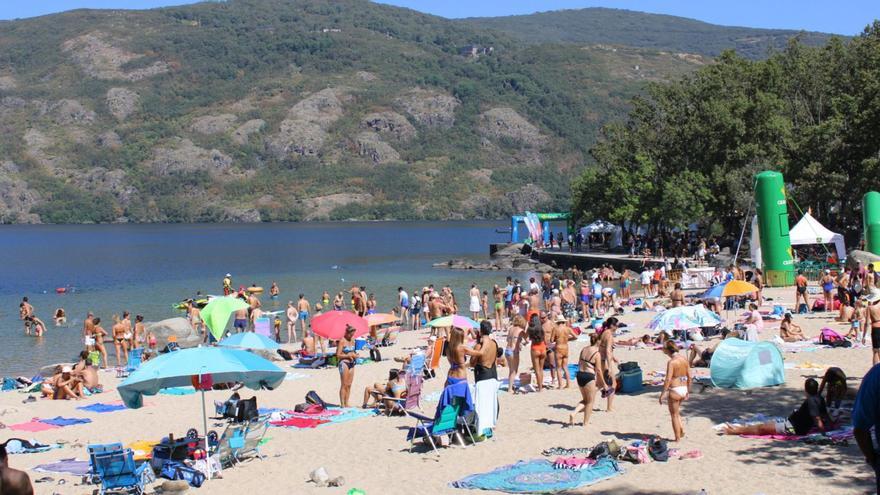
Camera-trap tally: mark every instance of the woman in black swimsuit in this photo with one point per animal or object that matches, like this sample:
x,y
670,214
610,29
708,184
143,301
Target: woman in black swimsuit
x,y
590,377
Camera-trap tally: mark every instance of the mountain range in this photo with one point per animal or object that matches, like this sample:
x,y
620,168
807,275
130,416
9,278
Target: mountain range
x,y
293,110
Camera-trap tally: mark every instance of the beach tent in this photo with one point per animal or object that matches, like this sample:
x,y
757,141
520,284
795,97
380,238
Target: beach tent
x,y
809,231
599,227
740,364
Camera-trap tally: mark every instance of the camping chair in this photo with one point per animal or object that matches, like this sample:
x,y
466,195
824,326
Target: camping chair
x,y
229,444
436,354
118,472
389,338
447,422
413,393
135,358
95,449
253,435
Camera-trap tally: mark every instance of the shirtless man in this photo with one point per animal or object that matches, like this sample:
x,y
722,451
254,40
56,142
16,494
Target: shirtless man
x,y
87,373
436,308
292,315
561,334
121,337
195,316
274,290
88,327
240,320
569,300
26,313
253,304
801,290
304,308
98,334
872,322
677,296
13,481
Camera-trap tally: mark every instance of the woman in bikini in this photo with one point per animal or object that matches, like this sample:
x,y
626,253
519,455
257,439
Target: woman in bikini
x,y
346,358
515,340
590,375
609,362
677,386
538,349
456,354
561,335
140,334
120,342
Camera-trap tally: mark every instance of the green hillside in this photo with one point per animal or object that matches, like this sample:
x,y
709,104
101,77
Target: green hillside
x,y
638,29
265,110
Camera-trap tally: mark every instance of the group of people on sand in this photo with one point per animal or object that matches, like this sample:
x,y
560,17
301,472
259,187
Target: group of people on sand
x,y
72,382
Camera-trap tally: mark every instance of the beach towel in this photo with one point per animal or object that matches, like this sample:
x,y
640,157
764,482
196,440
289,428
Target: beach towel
x,y
59,421
65,466
142,449
298,422
539,476
21,446
33,425
831,437
576,463
486,403
177,391
101,407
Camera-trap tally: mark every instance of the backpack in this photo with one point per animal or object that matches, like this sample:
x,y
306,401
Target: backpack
x,y
177,471
246,410
312,397
829,336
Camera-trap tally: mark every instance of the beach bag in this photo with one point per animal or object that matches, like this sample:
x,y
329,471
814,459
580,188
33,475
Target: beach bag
x,y
177,471
658,449
829,336
819,305
246,410
312,397
285,355
803,309
306,408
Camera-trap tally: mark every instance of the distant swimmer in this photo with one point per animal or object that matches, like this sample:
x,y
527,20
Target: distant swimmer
x,y
38,326
274,290
227,285
60,317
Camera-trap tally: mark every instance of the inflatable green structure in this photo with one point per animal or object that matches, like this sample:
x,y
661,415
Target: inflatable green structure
x,y
772,211
871,221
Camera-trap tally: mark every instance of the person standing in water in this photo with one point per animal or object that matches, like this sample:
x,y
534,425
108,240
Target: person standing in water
x,y
26,314
274,290
474,305
292,316
227,285
304,308
677,387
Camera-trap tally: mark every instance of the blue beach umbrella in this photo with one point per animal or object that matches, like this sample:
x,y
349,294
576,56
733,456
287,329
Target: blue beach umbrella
x,y
200,365
673,319
714,292
250,340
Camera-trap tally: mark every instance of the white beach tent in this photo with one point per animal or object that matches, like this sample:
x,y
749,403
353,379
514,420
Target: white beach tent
x,y
809,231
603,227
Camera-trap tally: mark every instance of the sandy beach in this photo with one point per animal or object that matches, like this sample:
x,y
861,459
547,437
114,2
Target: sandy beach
x,y
372,453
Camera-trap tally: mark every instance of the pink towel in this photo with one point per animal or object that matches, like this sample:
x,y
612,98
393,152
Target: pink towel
x,y
32,426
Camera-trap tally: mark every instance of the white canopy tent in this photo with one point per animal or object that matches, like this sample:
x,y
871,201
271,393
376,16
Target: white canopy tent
x,y
809,231
603,227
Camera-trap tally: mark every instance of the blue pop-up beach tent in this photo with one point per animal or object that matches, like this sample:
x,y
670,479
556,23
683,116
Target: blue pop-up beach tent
x,y
740,364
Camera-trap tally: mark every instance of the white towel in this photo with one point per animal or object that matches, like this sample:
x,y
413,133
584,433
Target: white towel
x,y
486,403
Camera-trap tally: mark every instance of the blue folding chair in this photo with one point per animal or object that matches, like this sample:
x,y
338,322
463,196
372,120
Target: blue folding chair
x,y
101,448
135,358
118,472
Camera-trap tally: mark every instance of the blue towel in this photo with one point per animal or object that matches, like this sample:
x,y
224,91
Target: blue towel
x,y
59,421
350,414
539,476
100,407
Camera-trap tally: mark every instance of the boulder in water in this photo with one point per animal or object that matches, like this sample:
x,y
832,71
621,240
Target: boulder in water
x,y
178,327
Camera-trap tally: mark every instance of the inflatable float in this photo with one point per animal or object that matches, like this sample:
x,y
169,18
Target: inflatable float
x,y
255,290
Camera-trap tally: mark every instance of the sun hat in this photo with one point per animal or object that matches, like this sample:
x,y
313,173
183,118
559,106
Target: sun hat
x,y
66,369
228,274
872,297
560,319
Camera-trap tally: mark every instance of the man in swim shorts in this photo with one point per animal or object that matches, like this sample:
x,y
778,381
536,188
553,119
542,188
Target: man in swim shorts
x,y
240,321
304,308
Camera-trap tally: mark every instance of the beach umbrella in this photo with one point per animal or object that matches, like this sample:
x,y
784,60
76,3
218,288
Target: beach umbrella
x,y
702,315
674,319
331,325
738,288
200,366
456,321
217,312
714,292
377,319
250,340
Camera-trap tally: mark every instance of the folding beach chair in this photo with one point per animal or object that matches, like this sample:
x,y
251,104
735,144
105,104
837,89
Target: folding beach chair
x,y
135,358
253,435
229,444
93,450
447,423
436,355
414,380
118,472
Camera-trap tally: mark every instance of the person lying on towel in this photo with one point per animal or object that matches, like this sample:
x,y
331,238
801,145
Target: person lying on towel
x,y
813,414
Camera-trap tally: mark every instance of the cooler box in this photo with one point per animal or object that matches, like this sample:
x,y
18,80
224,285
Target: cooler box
x,y
359,344
630,381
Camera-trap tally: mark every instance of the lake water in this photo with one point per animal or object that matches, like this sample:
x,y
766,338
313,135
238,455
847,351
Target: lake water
x,y
146,268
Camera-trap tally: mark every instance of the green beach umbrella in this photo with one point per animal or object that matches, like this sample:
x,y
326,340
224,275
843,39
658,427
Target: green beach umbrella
x,y
216,314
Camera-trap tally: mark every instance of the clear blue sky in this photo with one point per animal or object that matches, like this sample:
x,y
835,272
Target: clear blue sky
x,y
842,16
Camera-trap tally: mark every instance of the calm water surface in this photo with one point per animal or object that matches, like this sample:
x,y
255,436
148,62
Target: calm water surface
x,y
146,268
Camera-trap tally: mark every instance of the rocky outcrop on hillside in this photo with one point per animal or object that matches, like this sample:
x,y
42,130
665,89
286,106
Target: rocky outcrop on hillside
x,y
319,207
390,125
240,215
99,179
374,149
109,140
99,58
304,131
184,157
505,123
213,124
528,197
242,134
67,112
121,102
7,83
16,197
429,108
